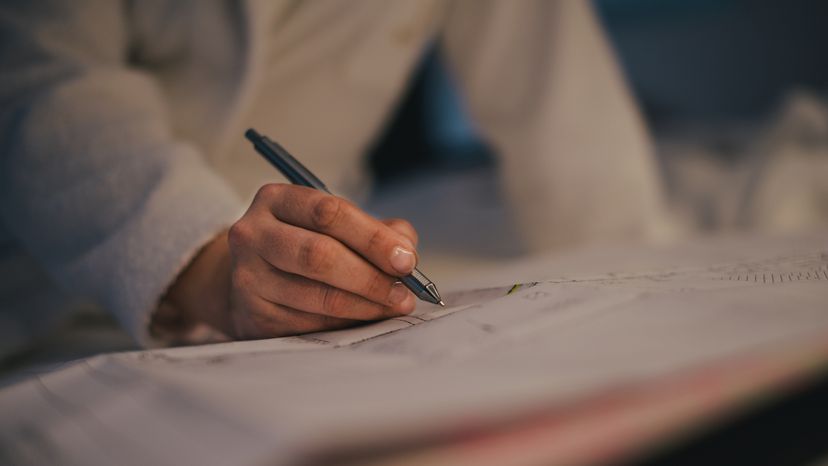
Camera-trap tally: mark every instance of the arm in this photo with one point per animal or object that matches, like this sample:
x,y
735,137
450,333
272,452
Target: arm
x,y
97,187
298,261
540,80
92,181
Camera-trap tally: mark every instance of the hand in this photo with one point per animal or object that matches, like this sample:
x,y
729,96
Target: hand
x,y
299,261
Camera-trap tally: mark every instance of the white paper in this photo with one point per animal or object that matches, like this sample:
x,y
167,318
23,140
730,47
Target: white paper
x,y
493,352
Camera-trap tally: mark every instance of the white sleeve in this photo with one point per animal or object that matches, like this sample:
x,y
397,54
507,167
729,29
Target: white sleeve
x,y
92,182
540,81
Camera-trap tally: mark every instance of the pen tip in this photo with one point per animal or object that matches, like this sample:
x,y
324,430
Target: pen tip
x,y
442,303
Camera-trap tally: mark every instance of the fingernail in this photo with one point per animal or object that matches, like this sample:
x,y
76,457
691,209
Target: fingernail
x,y
402,260
398,293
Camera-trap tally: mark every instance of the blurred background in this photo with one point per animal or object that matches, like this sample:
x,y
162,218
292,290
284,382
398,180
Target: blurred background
x,y
732,91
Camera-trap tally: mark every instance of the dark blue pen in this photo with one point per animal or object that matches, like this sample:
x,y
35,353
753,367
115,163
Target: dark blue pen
x,y
294,171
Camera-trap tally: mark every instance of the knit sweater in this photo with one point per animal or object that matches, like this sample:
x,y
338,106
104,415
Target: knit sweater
x,y
121,121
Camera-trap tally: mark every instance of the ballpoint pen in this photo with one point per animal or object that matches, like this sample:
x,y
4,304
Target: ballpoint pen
x,y
294,171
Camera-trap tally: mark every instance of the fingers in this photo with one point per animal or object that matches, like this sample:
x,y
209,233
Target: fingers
x,y
317,257
304,261
337,218
263,319
311,296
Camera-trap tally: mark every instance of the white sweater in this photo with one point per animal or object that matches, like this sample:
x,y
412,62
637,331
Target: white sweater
x,y
121,150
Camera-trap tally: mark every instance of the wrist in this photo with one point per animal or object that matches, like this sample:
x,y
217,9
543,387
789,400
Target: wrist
x,y
199,295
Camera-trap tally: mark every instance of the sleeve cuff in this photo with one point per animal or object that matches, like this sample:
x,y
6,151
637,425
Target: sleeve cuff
x,y
129,271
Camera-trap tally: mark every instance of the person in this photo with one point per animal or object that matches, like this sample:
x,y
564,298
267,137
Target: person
x,y
125,179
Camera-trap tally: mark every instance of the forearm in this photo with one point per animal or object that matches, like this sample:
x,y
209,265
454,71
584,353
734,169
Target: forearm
x,y
93,181
540,80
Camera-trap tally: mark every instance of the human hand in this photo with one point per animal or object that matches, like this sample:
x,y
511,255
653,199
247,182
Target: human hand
x,y
300,260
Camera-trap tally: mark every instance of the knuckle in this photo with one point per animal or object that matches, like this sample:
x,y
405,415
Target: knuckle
x,y
333,301
326,212
268,191
239,235
317,255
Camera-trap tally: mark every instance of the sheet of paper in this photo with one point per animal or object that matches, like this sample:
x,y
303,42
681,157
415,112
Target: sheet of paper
x,y
494,352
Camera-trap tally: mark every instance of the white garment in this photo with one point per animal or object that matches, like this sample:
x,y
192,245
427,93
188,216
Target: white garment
x,y
121,144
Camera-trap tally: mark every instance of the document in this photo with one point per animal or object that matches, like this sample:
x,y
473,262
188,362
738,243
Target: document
x,y
495,351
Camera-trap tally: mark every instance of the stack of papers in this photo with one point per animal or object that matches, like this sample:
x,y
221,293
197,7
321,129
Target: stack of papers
x,y
495,354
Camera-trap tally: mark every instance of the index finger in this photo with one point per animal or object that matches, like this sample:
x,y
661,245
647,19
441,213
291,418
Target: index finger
x,y
389,250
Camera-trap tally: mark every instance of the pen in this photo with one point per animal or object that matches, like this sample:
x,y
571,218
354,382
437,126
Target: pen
x,y
294,171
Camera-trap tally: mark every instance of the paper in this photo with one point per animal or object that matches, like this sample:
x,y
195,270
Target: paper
x,y
492,353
